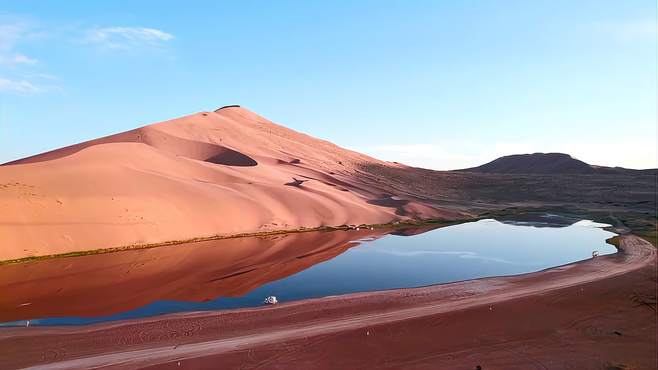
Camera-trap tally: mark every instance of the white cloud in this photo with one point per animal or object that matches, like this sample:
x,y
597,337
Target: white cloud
x,y
17,77
22,59
127,37
19,86
10,35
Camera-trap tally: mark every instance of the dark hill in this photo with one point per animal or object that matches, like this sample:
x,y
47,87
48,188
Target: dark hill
x,y
544,163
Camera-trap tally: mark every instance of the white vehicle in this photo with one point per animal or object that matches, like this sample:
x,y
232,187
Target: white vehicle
x,y
595,254
270,300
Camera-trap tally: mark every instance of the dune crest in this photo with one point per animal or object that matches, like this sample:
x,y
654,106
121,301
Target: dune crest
x,y
209,173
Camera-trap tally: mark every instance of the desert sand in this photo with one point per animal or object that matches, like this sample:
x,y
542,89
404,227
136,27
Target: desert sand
x,y
224,172
594,314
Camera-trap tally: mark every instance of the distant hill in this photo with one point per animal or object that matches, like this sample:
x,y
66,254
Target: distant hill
x,y
544,163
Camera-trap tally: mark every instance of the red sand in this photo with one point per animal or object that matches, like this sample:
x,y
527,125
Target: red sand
x,y
224,172
596,314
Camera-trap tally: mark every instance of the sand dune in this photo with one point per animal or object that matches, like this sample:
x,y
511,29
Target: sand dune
x,y
222,172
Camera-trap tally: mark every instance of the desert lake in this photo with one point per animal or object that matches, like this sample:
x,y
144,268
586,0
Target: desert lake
x,y
234,273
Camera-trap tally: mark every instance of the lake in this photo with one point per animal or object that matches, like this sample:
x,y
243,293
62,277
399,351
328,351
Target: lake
x,y
233,273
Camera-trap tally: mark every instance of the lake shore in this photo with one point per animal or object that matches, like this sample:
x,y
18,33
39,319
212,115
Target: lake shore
x,y
389,226
598,313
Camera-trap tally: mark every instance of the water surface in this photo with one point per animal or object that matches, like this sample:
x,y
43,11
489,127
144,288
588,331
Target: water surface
x,y
241,273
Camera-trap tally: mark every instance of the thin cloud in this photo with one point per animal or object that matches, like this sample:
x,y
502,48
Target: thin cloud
x,y
22,59
19,86
17,77
127,37
11,34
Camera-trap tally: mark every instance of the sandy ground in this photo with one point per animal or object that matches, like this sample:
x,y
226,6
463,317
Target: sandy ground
x,y
595,314
225,172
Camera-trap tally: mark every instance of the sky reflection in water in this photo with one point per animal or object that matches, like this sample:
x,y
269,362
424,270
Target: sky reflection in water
x,y
461,252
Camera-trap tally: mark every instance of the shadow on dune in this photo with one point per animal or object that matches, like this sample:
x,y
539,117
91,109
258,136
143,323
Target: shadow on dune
x,y
164,142
230,157
389,202
295,182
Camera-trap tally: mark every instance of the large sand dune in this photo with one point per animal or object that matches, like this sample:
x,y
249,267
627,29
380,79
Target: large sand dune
x,y
224,172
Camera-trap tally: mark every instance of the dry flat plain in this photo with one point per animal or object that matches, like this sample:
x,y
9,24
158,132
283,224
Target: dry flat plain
x,y
229,172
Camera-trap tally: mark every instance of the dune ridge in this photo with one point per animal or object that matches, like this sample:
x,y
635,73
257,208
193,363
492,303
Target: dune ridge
x,y
229,171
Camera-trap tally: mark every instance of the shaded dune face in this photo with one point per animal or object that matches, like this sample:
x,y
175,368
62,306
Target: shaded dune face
x,y
164,142
211,173
208,152
230,157
78,286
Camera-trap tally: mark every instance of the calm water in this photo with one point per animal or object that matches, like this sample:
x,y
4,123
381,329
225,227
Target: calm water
x,y
466,251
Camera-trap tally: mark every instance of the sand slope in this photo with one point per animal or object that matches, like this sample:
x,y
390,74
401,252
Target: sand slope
x,y
224,172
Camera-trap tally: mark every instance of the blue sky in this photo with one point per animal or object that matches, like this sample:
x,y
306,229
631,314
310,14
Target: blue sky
x,y
439,84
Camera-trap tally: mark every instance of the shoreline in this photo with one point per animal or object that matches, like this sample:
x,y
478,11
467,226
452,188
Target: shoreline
x,y
35,320
392,225
193,335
